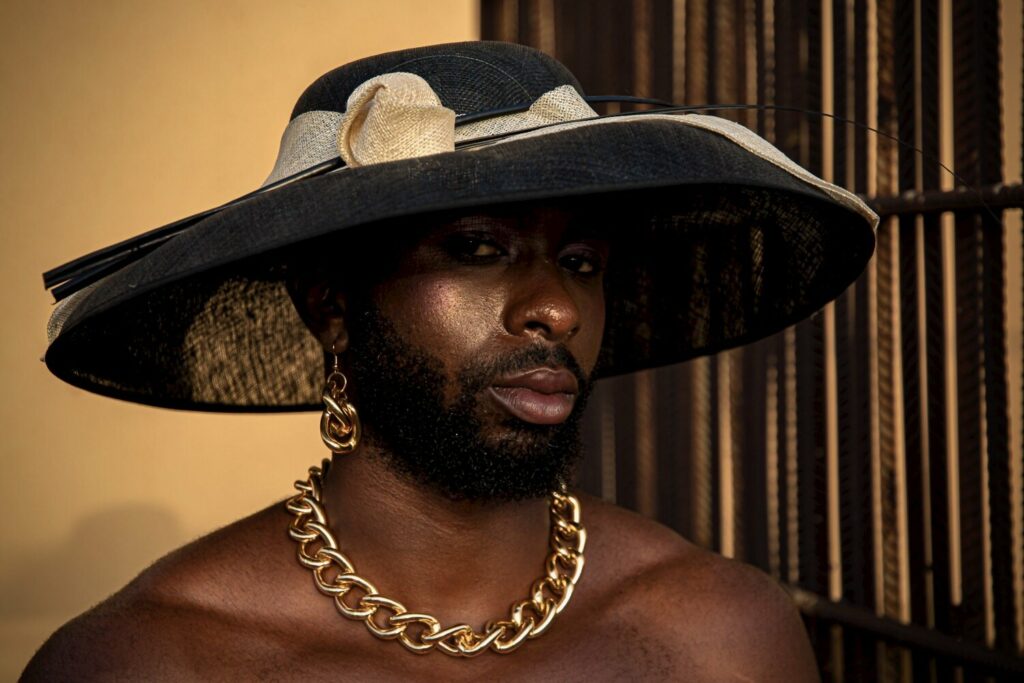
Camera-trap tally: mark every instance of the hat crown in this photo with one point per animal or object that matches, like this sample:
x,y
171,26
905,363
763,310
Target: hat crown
x,y
467,77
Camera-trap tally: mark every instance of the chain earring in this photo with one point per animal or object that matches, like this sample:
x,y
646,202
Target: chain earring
x,y
339,424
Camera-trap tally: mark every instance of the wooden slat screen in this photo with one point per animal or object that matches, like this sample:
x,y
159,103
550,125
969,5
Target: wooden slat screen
x,y
871,456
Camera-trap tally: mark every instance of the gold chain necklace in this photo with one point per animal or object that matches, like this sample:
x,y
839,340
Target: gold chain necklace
x,y
388,619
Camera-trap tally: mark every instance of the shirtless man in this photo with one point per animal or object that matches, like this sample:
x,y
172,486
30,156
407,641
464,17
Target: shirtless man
x,y
468,341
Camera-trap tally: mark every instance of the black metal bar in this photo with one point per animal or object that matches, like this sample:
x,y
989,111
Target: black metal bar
x,y
753,457
970,618
624,400
673,390
913,635
993,197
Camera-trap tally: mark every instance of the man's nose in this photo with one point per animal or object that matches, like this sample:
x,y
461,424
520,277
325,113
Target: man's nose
x,y
541,305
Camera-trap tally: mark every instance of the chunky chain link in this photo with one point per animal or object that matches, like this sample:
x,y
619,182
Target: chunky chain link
x,y
357,598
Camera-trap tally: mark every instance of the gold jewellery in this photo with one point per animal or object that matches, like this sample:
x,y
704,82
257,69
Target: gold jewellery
x,y
339,424
388,619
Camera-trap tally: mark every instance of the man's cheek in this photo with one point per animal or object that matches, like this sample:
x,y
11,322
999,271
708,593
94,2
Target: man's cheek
x,y
455,314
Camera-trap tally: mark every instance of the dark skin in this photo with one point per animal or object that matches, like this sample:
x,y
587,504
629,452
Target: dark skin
x,y
235,605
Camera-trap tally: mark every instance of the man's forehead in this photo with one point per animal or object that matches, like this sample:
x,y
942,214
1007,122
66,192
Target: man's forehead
x,y
576,218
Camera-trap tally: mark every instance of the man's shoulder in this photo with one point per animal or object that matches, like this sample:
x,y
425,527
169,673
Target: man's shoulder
x,y
109,641
155,626
717,615
658,561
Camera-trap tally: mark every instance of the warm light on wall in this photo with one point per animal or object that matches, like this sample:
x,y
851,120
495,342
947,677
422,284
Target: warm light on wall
x,y
119,117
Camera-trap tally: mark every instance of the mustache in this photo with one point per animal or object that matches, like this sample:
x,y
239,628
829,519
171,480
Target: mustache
x,y
480,375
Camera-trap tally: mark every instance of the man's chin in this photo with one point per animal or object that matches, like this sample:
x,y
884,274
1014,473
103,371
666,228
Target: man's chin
x,y
471,449
514,461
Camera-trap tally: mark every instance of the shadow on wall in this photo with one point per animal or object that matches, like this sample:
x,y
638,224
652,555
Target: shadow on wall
x,y
55,577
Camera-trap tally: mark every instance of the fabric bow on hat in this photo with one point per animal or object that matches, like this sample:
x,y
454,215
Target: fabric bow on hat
x,y
394,116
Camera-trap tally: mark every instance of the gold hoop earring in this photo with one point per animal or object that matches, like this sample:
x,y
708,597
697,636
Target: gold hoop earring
x,y
339,424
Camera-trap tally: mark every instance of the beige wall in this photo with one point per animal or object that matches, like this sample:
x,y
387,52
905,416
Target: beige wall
x,y
119,116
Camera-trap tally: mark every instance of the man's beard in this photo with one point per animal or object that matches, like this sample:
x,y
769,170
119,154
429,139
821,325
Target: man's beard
x,y
401,400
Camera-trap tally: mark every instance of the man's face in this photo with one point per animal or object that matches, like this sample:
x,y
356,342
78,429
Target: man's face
x,y
471,364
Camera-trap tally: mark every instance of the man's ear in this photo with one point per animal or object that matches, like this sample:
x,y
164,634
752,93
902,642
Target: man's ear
x,y
322,307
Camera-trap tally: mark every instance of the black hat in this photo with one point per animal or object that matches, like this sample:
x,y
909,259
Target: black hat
x,y
718,238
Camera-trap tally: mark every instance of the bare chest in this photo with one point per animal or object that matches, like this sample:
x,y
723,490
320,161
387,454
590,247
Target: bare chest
x,y
570,651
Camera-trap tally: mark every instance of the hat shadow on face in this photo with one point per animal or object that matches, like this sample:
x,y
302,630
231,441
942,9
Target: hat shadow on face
x,y
693,271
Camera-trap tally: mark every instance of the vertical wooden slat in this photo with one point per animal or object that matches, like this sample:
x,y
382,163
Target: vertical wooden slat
x,y
773,516
766,60
901,475
747,71
724,68
948,278
787,471
499,20
938,406
881,409
715,422
546,26
702,496
678,51
830,390
643,68
1011,27
696,53
726,502
791,461
646,455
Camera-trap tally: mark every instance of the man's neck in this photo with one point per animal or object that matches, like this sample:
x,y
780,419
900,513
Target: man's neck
x,y
458,561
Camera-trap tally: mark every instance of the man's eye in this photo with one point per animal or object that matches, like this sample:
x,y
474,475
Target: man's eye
x,y
582,264
482,249
473,247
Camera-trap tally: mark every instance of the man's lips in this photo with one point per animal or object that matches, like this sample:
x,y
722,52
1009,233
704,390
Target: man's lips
x,y
542,396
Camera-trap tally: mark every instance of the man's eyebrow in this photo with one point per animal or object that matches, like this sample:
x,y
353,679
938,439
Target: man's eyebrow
x,y
590,227
477,220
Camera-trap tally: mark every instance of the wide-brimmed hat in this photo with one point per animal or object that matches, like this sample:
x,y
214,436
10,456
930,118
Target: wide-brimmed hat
x,y
718,239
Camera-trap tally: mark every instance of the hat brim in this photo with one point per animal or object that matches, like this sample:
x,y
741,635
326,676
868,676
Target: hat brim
x,y
727,248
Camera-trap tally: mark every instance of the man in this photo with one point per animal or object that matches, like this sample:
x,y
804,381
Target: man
x,y
465,281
